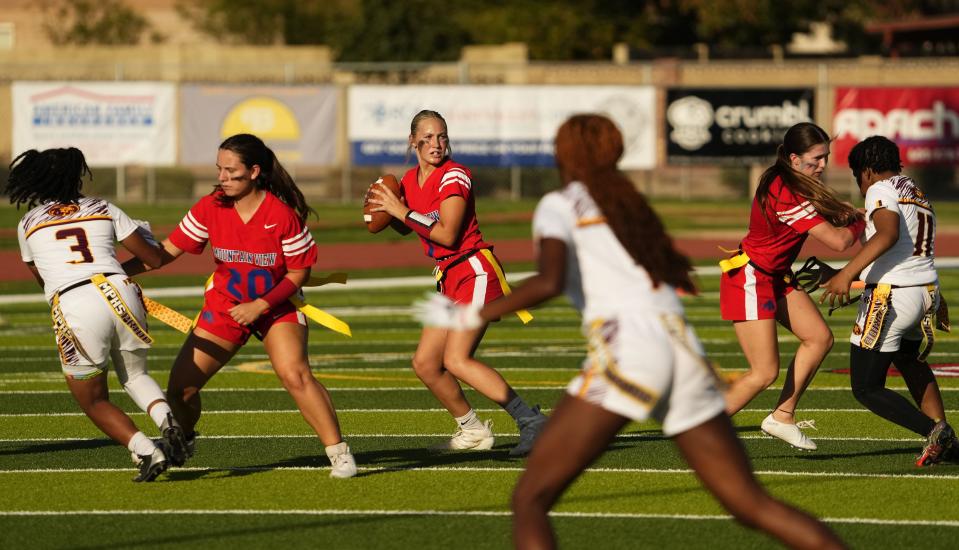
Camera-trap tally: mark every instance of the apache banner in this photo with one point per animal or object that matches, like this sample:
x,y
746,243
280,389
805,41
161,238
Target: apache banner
x,y
707,125
297,122
924,122
497,125
113,123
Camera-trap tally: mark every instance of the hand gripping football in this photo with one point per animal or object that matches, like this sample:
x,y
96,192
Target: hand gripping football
x,y
377,221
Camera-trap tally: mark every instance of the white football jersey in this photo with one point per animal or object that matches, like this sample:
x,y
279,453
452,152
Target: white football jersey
x,y
602,279
911,261
71,242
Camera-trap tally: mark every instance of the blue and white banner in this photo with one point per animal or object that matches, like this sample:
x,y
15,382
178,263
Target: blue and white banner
x,y
497,125
113,123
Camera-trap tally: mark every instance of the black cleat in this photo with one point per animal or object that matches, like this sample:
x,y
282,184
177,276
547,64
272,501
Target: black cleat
x,y
179,449
151,465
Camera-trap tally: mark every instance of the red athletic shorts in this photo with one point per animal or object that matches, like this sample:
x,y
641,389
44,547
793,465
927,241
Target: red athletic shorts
x,y
747,294
215,318
474,279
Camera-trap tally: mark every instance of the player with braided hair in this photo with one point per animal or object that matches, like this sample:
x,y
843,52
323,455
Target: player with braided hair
x,y
897,308
600,242
438,204
68,242
254,220
757,288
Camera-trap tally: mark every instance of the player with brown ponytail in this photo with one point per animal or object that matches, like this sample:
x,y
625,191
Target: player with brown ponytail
x,y
599,240
757,288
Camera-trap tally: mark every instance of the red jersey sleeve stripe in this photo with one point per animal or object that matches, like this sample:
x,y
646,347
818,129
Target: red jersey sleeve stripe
x,y
299,251
299,244
193,229
804,211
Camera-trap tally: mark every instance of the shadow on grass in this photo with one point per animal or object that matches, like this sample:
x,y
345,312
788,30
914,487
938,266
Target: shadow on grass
x,y
385,460
58,446
196,538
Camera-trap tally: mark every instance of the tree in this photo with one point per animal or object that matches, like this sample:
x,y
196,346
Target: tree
x,y
86,22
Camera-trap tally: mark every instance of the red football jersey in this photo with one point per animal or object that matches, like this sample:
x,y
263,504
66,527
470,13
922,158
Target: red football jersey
x,y
250,257
447,180
774,240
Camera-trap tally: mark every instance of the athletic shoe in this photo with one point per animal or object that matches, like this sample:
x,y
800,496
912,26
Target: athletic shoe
x,y
344,465
790,433
937,444
529,428
477,439
150,465
176,441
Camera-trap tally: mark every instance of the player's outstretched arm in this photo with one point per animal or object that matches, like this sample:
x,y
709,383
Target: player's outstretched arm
x,y
887,233
837,238
166,252
548,282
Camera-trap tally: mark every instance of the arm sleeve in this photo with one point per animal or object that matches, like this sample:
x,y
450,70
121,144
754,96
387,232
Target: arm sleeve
x,y
123,225
796,212
299,249
192,234
554,218
25,253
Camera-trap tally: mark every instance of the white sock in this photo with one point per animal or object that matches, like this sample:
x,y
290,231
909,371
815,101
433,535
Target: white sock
x,y
468,420
517,408
338,449
141,445
159,411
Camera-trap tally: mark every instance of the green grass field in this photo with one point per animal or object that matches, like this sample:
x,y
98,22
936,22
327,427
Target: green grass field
x,y
259,478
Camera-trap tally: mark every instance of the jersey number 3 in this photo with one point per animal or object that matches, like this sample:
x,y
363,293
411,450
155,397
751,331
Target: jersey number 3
x,y
82,245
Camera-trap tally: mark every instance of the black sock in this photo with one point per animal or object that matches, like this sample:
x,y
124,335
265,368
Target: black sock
x,y
868,378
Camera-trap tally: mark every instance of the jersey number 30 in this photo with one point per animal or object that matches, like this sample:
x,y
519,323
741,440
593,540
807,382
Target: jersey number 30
x,y
258,281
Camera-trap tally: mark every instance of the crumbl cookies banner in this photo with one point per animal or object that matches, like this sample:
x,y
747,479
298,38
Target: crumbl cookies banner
x,y
113,123
497,125
924,122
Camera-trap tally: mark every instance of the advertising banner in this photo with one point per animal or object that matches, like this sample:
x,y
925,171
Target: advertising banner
x,y
297,122
924,122
708,125
497,125
113,123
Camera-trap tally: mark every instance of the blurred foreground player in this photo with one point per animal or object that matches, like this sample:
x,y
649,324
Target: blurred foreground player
x,y
599,240
68,242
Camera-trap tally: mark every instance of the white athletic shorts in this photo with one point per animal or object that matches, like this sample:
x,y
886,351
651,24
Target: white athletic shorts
x,y
652,365
908,313
97,320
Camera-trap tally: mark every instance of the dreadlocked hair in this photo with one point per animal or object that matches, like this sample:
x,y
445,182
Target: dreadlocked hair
x,y
51,175
799,139
587,149
878,153
273,177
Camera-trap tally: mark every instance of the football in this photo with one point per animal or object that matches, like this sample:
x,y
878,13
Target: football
x,y
377,221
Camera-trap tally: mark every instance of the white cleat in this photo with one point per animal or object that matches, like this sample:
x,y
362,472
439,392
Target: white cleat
x,y
790,433
476,439
344,465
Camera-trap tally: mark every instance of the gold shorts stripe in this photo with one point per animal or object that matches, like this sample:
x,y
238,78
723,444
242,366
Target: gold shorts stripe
x,y
120,308
928,323
68,346
875,316
524,315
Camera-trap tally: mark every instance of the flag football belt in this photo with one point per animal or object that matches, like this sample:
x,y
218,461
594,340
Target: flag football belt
x,y
316,314
879,305
524,315
120,308
741,259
